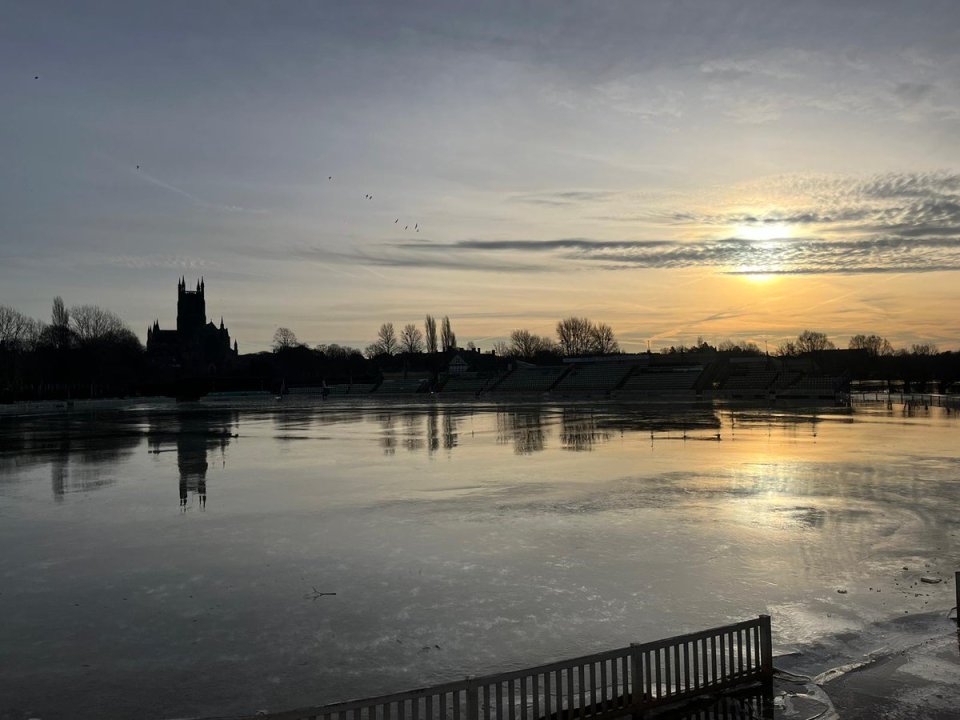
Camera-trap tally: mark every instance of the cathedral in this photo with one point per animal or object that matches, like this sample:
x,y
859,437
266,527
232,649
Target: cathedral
x,y
196,344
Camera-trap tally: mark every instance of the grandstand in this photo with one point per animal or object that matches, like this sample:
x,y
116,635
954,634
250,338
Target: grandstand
x,y
674,382
593,379
402,386
345,389
530,379
756,383
820,387
466,384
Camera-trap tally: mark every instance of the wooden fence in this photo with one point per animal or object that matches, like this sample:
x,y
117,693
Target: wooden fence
x,y
609,684
928,399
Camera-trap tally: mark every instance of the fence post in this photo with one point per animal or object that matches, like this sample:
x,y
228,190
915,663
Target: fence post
x,y
766,646
636,683
473,707
956,589
766,654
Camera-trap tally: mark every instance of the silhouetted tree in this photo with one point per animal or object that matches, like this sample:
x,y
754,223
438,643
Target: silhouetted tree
x,y
93,324
58,333
602,340
787,348
745,347
13,326
448,339
924,349
430,333
873,344
812,341
411,339
284,338
573,334
524,343
501,349
386,342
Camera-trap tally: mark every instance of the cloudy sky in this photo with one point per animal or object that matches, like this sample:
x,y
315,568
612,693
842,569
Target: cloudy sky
x,y
714,168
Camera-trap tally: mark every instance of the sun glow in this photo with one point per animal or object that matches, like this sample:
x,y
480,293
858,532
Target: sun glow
x,y
763,231
766,239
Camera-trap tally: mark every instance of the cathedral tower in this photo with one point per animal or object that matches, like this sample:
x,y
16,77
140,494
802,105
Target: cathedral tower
x,y
191,309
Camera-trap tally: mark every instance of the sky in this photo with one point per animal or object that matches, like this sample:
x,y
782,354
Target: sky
x,y
722,169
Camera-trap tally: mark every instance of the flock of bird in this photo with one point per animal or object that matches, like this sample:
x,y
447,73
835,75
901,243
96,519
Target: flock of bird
x,y
366,196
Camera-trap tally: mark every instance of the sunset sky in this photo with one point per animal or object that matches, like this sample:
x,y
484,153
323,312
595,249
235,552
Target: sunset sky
x,y
675,169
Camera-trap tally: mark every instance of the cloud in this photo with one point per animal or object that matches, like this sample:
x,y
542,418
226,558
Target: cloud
x,y
785,256
566,197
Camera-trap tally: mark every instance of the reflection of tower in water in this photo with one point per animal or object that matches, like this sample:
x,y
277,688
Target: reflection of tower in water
x,y
194,436
192,464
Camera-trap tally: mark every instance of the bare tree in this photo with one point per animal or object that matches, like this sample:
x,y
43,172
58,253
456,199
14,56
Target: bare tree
x,y
92,323
786,349
337,352
411,339
448,339
573,334
13,325
284,338
387,339
745,347
873,344
524,343
602,340
924,349
501,349
59,331
430,331
812,341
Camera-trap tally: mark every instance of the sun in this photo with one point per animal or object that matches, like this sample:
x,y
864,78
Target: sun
x,y
763,231
766,239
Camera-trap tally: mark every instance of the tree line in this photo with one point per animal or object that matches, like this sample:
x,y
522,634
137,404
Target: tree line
x,y
574,336
83,350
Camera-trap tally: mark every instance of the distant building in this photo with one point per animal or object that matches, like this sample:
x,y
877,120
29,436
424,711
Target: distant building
x,y
457,366
196,345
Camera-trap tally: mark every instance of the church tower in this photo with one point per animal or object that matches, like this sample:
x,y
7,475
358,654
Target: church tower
x,y
191,309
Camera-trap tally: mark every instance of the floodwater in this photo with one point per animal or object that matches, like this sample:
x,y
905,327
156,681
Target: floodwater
x,y
167,560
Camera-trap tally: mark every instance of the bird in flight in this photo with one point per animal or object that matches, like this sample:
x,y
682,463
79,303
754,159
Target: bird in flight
x,y
36,77
330,177
138,167
396,221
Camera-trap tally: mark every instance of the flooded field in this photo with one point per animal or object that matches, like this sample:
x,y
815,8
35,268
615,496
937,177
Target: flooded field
x,y
186,560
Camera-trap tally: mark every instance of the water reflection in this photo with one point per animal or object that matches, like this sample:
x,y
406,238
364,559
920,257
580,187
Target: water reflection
x,y
524,427
195,437
579,430
420,429
583,428
75,448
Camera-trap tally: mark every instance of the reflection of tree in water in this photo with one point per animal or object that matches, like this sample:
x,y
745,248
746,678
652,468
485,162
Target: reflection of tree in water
x,y
660,419
193,435
440,429
524,428
450,433
413,431
388,435
433,434
82,450
579,430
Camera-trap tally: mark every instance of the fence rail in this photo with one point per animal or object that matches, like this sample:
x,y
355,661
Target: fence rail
x,y
935,399
604,685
